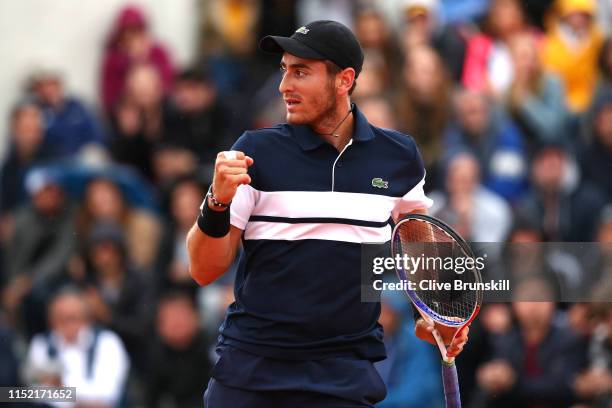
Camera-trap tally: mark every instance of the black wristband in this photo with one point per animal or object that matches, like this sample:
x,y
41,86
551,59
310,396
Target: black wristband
x,y
215,224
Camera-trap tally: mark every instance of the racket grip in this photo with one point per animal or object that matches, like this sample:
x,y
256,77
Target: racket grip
x,y
450,382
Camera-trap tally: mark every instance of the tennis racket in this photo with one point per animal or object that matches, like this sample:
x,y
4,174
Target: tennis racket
x,y
420,236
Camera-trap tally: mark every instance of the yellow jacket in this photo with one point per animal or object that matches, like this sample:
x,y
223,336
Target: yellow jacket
x,y
575,65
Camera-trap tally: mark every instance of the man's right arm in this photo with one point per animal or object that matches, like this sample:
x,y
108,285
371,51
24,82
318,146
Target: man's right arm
x,y
210,256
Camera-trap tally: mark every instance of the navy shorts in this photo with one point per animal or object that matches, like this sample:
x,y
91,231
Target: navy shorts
x,y
241,379
218,395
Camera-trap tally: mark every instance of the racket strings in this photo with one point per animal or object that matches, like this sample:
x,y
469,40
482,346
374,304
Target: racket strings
x,y
435,246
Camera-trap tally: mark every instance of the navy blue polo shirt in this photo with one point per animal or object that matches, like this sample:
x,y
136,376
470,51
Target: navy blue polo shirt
x,y
305,215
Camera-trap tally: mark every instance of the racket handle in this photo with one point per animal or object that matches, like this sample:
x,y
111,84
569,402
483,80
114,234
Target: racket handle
x,y
450,382
440,342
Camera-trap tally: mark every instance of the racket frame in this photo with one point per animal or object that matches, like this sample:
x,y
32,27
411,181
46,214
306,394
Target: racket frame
x,y
426,312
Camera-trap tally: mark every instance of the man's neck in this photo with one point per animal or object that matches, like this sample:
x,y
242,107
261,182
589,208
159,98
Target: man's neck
x,y
337,130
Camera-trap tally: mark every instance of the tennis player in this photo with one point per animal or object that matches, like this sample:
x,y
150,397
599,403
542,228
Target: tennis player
x,y
303,196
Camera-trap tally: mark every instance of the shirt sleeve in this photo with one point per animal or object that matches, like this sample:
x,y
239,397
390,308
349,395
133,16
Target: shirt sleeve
x,y
415,198
246,196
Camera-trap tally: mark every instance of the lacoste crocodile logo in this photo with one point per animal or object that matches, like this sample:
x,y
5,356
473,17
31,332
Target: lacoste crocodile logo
x,y
302,30
379,183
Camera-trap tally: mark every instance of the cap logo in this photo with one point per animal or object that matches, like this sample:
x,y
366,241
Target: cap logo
x,y
302,30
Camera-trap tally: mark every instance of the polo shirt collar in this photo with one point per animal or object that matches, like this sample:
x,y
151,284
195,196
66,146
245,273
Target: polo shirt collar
x,y
309,140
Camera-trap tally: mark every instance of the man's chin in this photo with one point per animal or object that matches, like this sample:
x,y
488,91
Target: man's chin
x,y
294,119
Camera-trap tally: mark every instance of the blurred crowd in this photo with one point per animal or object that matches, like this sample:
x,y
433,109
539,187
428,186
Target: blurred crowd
x,y
510,102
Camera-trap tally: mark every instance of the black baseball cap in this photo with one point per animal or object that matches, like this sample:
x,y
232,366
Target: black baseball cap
x,y
322,40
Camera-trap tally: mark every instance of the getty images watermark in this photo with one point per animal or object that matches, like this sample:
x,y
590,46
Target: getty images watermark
x,y
436,266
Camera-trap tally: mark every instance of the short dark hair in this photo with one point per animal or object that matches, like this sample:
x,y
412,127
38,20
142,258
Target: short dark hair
x,y
176,295
334,69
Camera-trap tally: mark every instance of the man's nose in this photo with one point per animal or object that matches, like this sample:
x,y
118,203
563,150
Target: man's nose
x,y
285,84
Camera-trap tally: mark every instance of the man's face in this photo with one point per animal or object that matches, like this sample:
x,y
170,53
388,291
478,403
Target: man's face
x,y
472,112
307,89
27,128
50,90
49,200
548,169
463,175
177,323
105,254
193,96
67,316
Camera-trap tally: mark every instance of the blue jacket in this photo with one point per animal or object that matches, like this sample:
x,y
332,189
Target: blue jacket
x,y
501,153
69,128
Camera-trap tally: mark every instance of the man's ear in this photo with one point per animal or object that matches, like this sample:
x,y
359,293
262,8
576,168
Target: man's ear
x,y
347,77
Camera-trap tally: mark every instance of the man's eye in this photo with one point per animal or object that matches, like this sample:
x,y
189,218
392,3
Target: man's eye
x,y
300,73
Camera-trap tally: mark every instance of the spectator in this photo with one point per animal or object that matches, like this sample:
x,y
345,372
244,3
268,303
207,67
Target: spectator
x,y
605,65
571,49
25,149
598,259
602,90
172,266
494,319
476,213
423,26
40,248
276,17
235,67
594,384
538,12
337,10
375,37
8,357
564,208
424,104
130,43
466,11
118,296
76,353
233,24
104,201
180,355
604,238
379,111
535,98
196,120
536,363
372,79
488,64
69,125
597,159
138,119
493,139
525,256
406,356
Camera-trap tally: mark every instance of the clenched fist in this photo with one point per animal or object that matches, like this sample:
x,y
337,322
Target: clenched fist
x,y
230,172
